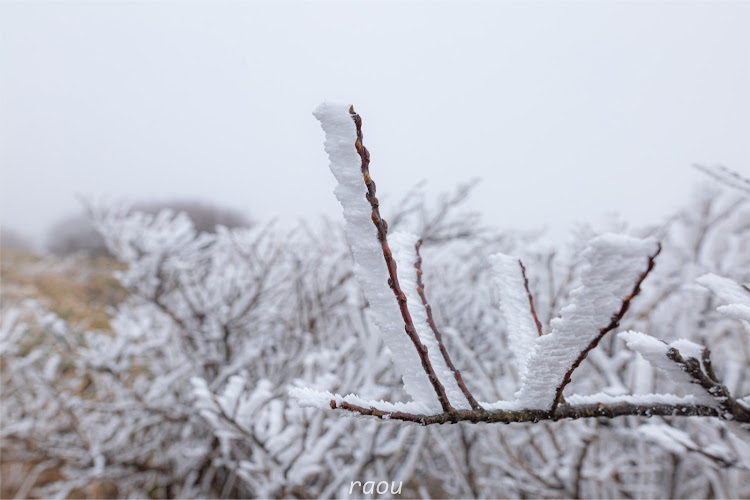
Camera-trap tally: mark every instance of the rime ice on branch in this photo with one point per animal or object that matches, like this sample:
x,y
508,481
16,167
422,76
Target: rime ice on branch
x,y
726,177
390,290
735,296
389,272
615,267
510,281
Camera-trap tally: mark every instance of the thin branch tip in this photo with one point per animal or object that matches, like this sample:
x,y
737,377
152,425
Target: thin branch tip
x,y
614,323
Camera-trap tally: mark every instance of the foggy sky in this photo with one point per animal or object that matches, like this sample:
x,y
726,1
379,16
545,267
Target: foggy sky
x,y
566,111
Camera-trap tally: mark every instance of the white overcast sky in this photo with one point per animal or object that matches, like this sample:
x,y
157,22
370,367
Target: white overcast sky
x,y
566,111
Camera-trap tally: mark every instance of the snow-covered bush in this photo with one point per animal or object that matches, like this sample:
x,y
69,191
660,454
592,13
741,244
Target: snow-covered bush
x,y
188,394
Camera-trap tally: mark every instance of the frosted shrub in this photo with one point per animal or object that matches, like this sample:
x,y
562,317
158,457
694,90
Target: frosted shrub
x,y
187,396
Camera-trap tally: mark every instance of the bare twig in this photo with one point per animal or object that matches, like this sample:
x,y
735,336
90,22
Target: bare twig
x,y
578,468
531,298
438,336
470,473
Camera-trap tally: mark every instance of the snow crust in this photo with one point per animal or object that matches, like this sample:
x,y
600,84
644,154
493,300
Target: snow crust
x,y
502,406
688,348
515,308
613,265
638,399
313,398
370,268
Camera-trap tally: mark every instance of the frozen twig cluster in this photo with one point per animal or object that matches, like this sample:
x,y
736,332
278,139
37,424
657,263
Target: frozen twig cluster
x,y
389,270
186,397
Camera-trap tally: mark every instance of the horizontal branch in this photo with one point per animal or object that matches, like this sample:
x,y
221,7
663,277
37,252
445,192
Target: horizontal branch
x,y
563,411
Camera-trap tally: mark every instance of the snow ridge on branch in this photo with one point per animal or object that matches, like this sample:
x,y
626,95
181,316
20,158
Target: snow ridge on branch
x,y
510,282
612,262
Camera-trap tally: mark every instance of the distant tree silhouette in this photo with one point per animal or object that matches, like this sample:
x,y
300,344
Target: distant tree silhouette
x,y
12,239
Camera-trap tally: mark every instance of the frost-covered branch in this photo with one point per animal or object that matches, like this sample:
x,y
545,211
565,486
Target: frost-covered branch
x,y
438,335
613,271
532,309
614,322
612,409
726,177
393,280
688,363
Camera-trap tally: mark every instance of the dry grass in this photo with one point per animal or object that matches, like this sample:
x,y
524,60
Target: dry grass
x,y
79,289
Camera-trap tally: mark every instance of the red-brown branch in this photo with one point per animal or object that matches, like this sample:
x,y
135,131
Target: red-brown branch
x,y
531,298
563,411
382,228
438,336
614,323
708,381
